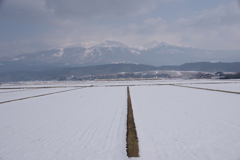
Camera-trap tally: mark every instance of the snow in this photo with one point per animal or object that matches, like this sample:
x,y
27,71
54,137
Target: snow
x,y
234,87
182,123
112,44
28,93
10,90
156,44
60,53
178,81
87,124
87,52
134,52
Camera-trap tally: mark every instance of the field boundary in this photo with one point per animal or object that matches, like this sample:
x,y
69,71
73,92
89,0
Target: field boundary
x,y
9,88
132,139
16,91
208,89
38,95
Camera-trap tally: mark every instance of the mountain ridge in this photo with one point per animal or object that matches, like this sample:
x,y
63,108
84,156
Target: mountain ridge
x,y
156,54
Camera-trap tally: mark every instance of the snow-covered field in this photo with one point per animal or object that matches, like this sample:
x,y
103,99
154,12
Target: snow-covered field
x,y
172,123
63,84
186,124
10,90
233,87
7,96
88,123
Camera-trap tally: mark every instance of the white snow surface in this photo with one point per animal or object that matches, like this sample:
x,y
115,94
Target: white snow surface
x,y
234,87
28,93
173,123
10,90
60,53
108,83
176,123
86,124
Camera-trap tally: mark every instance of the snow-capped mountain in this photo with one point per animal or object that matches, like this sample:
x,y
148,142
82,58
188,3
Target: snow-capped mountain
x,y
156,44
154,53
112,44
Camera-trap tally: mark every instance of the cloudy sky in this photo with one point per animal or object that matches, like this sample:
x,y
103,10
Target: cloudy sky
x,y
33,25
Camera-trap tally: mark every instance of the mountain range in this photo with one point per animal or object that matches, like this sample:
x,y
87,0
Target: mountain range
x,y
112,52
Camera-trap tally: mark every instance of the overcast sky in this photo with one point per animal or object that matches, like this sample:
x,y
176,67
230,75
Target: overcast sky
x,y
34,25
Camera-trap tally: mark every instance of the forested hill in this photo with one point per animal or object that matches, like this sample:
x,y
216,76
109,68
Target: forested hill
x,y
27,75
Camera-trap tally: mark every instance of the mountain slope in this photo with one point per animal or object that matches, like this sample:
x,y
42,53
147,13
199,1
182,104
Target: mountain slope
x,y
154,53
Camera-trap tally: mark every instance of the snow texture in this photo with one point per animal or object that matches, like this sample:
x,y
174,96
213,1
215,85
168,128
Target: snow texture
x,y
10,90
233,87
28,93
173,123
176,123
86,124
118,83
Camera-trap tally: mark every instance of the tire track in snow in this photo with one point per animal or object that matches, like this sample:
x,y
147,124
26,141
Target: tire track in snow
x,y
147,137
49,135
117,121
40,129
97,123
101,126
180,128
69,127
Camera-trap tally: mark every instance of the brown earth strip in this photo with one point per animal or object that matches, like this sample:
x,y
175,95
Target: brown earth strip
x,y
38,96
132,139
208,89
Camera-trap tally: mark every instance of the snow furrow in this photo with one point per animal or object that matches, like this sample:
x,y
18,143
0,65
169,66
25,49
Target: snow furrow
x,y
81,124
183,123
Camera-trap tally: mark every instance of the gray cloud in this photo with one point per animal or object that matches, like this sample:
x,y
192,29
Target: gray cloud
x,y
76,21
220,16
101,8
27,11
54,11
218,28
97,8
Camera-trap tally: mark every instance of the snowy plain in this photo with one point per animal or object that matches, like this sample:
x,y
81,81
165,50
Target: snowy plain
x,y
172,123
233,87
7,96
60,84
176,123
88,123
12,90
